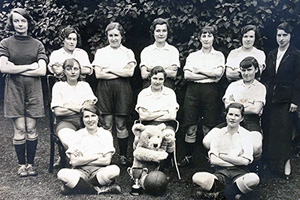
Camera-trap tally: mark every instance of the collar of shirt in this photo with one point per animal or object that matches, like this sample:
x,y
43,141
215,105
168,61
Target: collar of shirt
x,y
150,93
212,51
121,47
64,51
166,47
241,83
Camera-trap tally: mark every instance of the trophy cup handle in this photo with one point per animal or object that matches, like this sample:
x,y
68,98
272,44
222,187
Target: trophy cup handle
x,y
145,170
129,171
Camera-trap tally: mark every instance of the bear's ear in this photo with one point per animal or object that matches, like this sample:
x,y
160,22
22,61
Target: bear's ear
x,y
137,129
161,126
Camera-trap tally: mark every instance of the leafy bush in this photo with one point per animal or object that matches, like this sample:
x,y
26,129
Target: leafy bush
x,y
186,18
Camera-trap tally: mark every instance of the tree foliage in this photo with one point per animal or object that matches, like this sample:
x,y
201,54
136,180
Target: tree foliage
x,y
186,17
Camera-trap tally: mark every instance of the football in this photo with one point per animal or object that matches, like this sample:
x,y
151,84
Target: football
x,y
156,183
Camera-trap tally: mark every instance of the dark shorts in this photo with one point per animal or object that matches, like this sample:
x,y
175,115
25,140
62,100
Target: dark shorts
x,y
23,97
72,122
202,100
115,96
227,175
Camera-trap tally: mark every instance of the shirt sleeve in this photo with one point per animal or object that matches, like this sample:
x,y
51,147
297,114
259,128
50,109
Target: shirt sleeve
x,y
89,92
57,98
228,92
97,58
247,144
41,53
3,48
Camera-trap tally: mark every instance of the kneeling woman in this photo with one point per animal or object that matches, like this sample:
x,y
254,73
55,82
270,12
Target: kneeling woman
x,y
230,151
68,97
90,155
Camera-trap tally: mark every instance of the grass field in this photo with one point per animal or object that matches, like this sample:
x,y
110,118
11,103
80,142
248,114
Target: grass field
x,y
46,187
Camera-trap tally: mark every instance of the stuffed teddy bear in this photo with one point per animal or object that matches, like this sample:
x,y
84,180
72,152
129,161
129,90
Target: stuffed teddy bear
x,y
147,145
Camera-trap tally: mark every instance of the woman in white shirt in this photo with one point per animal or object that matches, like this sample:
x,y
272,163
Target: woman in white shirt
x,y
114,65
249,36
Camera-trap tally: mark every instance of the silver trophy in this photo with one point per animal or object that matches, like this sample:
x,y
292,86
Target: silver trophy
x,y
136,173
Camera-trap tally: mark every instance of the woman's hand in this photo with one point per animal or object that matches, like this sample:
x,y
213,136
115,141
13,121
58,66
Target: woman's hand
x,y
293,107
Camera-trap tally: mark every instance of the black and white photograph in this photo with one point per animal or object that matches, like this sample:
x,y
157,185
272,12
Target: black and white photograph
x,y
150,99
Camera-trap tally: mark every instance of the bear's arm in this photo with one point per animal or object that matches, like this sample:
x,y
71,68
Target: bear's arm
x,y
149,155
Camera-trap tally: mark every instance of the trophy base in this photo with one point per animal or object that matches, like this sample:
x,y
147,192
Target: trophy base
x,y
136,191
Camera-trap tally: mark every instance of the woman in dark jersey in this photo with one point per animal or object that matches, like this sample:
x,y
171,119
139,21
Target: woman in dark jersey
x,y
23,60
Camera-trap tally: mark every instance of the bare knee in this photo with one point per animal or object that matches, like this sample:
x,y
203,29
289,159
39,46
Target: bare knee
x,y
204,179
19,132
247,182
69,177
191,134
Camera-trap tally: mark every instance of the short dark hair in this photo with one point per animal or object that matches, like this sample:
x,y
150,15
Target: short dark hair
x,y
70,63
157,69
237,106
209,29
25,14
248,62
159,21
286,27
66,31
115,25
248,28
92,108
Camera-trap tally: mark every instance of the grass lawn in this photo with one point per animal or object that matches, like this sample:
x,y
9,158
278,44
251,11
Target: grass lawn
x,y
45,186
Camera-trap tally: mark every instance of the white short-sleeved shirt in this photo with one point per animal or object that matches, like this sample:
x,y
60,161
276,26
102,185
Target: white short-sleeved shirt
x,y
87,144
165,101
236,56
212,60
60,55
239,143
241,93
111,58
63,93
152,56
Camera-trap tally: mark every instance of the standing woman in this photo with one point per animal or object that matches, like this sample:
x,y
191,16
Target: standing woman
x,y
23,101
282,80
114,64
249,35
70,38
160,53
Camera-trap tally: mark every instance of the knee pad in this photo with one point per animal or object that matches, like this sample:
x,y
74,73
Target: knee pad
x,y
106,175
190,136
122,132
32,134
69,177
247,182
204,179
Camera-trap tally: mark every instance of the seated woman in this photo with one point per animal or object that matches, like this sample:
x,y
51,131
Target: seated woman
x,y
157,104
68,97
252,94
230,151
90,155
69,38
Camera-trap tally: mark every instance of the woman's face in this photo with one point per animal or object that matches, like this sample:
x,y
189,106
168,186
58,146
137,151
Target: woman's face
x,y
283,38
248,39
157,81
248,74
234,117
207,40
114,38
72,73
20,24
70,42
90,120
160,33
